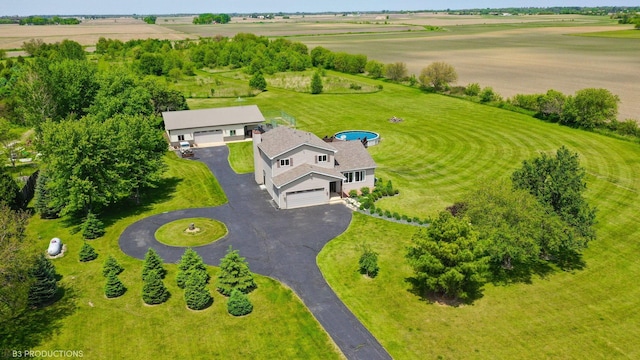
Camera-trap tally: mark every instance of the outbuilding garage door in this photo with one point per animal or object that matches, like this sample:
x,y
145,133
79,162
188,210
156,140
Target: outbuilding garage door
x,y
296,199
204,137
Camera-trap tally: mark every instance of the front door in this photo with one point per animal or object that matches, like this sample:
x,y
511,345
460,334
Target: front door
x,y
332,187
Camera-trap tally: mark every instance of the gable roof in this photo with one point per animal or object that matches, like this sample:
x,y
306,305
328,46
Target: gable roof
x,y
303,170
352,155
186,119
282,139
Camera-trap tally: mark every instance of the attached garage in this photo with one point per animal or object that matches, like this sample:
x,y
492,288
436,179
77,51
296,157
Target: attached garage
x,y
206,137
296,199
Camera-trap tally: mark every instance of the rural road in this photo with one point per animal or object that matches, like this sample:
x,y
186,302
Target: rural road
x,y
282,244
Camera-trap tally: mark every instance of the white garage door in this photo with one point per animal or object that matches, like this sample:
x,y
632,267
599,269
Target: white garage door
x,y
204,137
298,199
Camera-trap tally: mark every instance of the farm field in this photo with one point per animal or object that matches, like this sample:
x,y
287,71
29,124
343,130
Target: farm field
x,y
86,33
512,54
513,58
443,148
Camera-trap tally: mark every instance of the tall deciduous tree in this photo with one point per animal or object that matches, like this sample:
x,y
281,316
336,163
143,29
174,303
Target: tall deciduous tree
x,y
375,69
15,262
438,75
34,99
509,222
445,259
396,71
590,108
45,284
234,274
558,183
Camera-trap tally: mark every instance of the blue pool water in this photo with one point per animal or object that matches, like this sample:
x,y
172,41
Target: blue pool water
x,y
357,135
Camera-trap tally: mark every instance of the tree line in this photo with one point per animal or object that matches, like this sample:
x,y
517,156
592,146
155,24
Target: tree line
x,y
99,130
208,18
55,20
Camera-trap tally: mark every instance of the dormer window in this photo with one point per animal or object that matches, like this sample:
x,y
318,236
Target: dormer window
x,y
321,158
285,162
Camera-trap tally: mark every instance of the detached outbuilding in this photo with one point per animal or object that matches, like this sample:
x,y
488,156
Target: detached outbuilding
x,y
208,127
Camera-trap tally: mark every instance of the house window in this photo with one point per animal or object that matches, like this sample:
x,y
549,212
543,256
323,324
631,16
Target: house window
x,y
322,158
284,162
232,133
180,137
356,176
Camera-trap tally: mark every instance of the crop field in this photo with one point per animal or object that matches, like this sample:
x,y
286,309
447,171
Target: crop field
x,y
444,148
513,58
87,33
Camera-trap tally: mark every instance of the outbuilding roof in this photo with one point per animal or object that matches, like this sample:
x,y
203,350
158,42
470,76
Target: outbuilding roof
x,y
190,119
282,139
352,155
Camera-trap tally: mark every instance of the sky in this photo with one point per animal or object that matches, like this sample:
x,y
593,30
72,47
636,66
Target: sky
x,y
142,7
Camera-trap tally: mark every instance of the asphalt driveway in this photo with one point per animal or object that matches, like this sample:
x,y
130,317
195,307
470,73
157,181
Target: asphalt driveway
x,y
282,244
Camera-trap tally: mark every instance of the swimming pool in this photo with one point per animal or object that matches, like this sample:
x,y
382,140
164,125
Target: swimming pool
x,y
350,135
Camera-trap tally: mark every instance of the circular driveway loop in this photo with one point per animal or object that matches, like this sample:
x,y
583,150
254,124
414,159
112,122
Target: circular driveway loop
x,y
282,244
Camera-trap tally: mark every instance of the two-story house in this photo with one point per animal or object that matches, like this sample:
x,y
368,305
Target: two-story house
x,y
299,169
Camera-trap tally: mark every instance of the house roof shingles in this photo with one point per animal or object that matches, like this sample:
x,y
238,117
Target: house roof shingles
x,y
282,139
189,119
352,155
302,171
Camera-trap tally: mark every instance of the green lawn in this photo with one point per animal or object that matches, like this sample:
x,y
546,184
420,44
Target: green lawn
x,y
241,157
206,231
443,148
279,327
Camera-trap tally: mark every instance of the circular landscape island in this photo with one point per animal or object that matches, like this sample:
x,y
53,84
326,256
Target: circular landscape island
x,y
191,232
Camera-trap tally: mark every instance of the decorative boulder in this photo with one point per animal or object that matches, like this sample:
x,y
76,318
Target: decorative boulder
x,y
54,247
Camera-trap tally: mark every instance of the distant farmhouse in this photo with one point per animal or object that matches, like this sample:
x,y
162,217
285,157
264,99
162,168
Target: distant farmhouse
x,y
299,169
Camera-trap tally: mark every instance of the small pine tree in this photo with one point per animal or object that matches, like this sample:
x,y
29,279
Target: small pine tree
x,y
45,285
234,274
189,262
111,265
257,81
92,227
87,252
316,83
239,304
153,291
368,262
196,294
153,262
114,287
43,198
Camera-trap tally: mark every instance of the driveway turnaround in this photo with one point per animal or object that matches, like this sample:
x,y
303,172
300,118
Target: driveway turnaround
x,y
282,244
